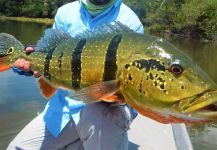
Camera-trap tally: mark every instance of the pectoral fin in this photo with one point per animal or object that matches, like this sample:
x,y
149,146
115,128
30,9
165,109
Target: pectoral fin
x,y
99,92
46,89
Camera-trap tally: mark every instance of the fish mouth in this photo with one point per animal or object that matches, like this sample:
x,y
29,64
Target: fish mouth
x,y
203,105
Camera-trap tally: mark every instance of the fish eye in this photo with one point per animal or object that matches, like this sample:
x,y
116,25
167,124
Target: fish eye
x,y
10,50
176,69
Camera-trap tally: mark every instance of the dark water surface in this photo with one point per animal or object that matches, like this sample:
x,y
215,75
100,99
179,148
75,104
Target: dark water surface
x,y
20,99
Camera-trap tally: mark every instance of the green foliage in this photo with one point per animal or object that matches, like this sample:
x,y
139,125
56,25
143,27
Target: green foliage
x,y
31,8
194,18
198,15
136,7
190,18
9,7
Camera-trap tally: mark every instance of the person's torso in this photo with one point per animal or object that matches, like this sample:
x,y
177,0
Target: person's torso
x,y
75,20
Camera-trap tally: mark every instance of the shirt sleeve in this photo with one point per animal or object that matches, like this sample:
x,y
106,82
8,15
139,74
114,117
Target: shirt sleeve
x,y
136,23
130,19
140,29
58,23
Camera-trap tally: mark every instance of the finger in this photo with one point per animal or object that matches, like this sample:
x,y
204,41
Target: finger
x,y
36,74
18,60
29,49
26,65
19,64
16,63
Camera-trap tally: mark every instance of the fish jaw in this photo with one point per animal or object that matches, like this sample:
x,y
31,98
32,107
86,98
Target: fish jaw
x,y
199,108
165,116
203,105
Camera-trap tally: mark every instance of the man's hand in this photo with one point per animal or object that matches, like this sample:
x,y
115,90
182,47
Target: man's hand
x,y
29,49
22,67
22,64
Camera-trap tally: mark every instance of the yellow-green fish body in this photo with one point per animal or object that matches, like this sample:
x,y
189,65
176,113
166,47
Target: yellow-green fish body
x,y
150,74
84,62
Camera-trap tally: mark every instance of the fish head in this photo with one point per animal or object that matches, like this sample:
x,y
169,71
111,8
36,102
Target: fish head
x,y
9,50
163,83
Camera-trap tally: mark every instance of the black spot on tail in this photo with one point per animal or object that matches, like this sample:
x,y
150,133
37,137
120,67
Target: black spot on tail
x,y
76,63
111,58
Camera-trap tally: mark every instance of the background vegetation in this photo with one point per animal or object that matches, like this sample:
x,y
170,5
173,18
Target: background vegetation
x,y
185,18
30,8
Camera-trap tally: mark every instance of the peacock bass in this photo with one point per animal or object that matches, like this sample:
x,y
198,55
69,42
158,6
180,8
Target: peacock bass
x,y
114,64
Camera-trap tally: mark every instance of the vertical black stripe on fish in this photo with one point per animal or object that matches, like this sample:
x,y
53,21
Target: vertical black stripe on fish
x,y
60,62
76,63
47,64
111,58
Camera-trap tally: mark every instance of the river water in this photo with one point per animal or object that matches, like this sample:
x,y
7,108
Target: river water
x,y
20,100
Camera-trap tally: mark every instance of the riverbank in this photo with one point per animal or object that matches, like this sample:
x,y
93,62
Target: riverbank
x,y
45,21
183,36
192,19
151,29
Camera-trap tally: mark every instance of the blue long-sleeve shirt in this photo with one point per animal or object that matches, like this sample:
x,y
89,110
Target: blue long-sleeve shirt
x,y
74,19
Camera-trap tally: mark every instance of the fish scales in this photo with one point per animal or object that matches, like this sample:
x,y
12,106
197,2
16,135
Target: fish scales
x,y
152,76
95,60
76,62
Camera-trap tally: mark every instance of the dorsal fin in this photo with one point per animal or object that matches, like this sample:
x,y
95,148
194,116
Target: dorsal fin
x,y
51,38
114,27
